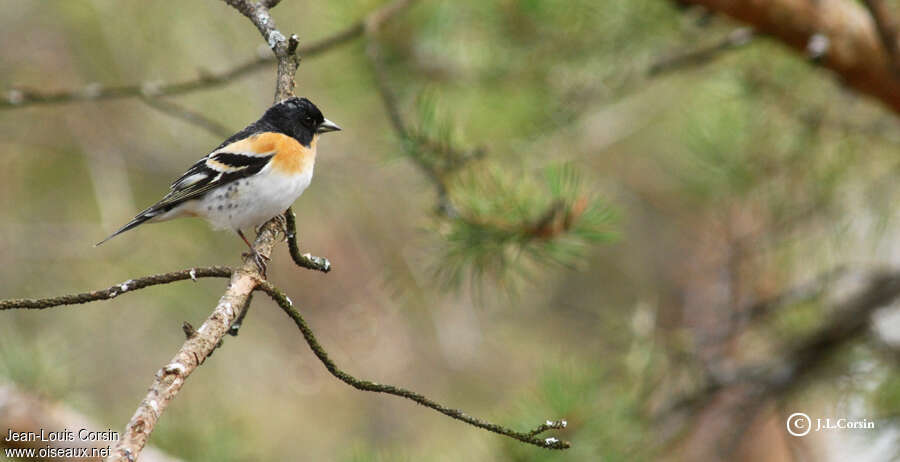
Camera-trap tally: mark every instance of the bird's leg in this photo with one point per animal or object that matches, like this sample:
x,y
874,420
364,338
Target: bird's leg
x,y
257,257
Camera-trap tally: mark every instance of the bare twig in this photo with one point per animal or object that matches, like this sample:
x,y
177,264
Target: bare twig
x,y
414,141
852,319
285,49
116,290
388,98
23,97
529,437
887,28
239,322
377,18
193,117
796,294
305,260
738,38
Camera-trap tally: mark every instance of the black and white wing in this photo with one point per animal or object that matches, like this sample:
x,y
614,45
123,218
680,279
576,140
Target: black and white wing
x,y
229,163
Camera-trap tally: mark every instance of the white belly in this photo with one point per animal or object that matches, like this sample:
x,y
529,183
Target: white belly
x,y
251,201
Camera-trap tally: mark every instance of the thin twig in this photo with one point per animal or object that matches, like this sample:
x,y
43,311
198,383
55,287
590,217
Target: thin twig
x,y
529,437
236,325
305,260
23,97
283,47
738,38
389,99
126,287
193,117
796,294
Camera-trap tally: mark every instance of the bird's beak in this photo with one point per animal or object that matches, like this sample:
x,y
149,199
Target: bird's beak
x,y
327,126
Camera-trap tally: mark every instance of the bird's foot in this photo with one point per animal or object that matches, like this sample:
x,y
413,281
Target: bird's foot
x,y
259,259
282,222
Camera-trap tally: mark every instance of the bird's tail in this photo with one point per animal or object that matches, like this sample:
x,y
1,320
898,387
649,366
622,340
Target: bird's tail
x,y
137,221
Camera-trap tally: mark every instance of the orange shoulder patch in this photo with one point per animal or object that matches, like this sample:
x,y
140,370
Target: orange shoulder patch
x,y
262,144
290,156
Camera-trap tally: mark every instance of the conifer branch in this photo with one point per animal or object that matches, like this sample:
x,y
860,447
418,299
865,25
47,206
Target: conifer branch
x,y
233,305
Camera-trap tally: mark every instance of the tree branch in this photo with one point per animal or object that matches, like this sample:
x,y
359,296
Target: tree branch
x,y
804,357
285,49
839,32
23,97
233,305
526,437
305,260
887,28
193,117
171,377
128,286
738,38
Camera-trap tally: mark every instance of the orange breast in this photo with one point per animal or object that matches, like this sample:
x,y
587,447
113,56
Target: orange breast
x,y
291,157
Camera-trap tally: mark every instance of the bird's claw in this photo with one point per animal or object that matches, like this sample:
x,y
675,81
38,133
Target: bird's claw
x,y
259,259
282,222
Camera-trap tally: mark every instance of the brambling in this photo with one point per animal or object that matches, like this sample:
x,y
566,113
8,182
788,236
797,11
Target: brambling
x,y
251,177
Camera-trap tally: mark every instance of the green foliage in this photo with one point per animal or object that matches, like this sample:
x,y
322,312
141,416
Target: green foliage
x,y
508,224
434,142
500,223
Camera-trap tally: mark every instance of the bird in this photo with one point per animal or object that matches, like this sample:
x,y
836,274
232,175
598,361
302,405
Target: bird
x,y
253,176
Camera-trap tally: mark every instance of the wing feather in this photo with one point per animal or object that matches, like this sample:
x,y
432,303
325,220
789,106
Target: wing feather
x,y
215,170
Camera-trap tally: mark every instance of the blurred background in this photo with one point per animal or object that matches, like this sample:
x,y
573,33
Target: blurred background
x,y
635,215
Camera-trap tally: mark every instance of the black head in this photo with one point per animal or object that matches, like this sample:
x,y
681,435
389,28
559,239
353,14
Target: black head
x,y
299,118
